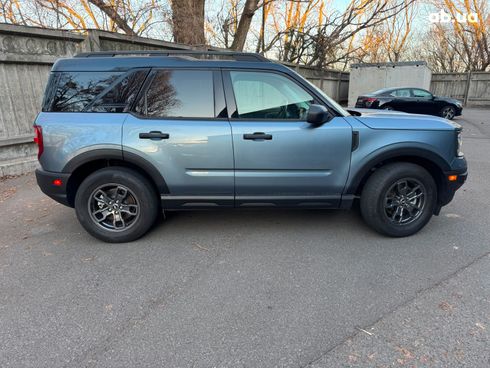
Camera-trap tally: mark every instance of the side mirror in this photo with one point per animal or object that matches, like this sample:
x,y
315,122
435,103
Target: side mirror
x,y
318,115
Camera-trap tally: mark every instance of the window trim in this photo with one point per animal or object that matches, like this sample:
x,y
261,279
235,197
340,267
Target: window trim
x,y
216,76
231,101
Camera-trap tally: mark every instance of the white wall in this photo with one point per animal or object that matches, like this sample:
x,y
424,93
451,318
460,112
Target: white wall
x,y
366,78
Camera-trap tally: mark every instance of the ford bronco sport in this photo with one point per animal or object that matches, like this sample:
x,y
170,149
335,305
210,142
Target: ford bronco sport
x,y
125,135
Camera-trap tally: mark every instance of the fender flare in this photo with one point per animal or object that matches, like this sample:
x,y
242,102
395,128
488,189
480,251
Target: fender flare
x,y
421,153
117,154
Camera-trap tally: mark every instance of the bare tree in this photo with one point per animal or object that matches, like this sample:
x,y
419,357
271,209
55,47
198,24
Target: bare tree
x,y
468,33
111,12
443,53
188,21
327,44
249,10
223,25
314,33
388,41
134,17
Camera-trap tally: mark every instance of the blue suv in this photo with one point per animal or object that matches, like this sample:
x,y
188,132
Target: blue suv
x,y
125,135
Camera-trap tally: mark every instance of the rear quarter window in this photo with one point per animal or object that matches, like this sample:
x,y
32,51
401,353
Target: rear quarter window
x,y
92,91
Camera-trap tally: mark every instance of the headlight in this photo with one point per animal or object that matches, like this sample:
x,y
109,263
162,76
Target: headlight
x,y
459,144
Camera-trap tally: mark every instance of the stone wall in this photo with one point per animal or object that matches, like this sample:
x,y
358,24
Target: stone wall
x,y
26,57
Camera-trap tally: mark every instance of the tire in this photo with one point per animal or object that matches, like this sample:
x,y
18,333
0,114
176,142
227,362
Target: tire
x,y
385,193
448,112
116,204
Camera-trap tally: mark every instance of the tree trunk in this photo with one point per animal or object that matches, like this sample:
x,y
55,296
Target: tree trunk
x,y
188,21
244,24
112,13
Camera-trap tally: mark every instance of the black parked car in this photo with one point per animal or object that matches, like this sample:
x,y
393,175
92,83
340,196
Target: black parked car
x,y
412,100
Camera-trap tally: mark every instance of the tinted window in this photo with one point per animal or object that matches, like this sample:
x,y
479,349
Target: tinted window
x,y
120,96
76,90
421,93
401,93
179,93
262,95
92,91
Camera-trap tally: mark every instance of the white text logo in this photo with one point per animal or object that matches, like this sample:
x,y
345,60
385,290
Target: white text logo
x,y
443,17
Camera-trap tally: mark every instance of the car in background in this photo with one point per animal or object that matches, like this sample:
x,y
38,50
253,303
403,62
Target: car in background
x,y
412,100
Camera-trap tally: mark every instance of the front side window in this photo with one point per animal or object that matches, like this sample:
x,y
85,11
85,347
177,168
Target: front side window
x,y
179,93
262,95
420,93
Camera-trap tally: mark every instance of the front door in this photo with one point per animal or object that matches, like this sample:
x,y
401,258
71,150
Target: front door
x,y
176,126
280,159
425,102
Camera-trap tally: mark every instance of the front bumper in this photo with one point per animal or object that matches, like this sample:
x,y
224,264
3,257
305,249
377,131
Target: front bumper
x,y
45,181
449,187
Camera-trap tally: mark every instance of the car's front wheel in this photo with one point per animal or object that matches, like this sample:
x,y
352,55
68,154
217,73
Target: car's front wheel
x,y
399,199
116,204
448,112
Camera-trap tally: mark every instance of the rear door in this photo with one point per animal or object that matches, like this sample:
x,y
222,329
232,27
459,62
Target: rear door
x,y
280,159
179,125
403,100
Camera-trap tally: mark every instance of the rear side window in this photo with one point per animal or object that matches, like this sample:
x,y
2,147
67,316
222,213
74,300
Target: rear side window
x,y
121,95
179,93
92,91
401,93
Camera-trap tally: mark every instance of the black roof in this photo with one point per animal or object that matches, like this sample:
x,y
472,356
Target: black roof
x,y
196,54
125,60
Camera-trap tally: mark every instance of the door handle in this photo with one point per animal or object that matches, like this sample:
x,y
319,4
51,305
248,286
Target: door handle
x,y
258,136
154,135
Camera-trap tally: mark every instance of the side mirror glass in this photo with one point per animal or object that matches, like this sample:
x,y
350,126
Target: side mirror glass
x,y
318,114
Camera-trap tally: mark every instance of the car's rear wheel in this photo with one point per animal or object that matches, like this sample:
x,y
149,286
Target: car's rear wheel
x,y
448,112
116,204
399,199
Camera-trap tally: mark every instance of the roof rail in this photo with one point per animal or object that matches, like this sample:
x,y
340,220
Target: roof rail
x,y
238,56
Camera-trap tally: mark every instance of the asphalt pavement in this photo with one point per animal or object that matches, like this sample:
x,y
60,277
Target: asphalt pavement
x,y
249,288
